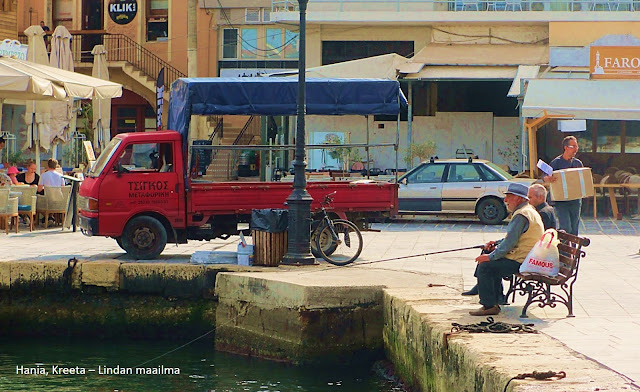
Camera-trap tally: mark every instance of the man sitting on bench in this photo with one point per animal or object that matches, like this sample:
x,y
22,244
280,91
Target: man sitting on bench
x,y
506,255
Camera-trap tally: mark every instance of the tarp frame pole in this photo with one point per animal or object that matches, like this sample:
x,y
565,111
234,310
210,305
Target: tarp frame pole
x,y
409,119
397,140
366,116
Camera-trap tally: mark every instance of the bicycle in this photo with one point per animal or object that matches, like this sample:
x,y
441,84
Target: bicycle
x,y
338,241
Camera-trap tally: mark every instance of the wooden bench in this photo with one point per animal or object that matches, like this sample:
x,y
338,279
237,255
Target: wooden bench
x,y
547,291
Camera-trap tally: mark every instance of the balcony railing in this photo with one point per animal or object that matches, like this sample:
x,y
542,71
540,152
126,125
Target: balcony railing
x,y
119,48
456,5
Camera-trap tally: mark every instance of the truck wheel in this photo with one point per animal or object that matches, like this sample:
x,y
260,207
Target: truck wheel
x,y
119,242
491,211
144,238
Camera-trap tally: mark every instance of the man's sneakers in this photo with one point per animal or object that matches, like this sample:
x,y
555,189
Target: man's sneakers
x,y
483,311
473,291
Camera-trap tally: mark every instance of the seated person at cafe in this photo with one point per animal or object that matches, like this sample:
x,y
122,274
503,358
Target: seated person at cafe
x,y
30,177
11,172
51,177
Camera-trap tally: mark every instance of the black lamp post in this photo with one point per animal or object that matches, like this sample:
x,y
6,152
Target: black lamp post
x,y
299,251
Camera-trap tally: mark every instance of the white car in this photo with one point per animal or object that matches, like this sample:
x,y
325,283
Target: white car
x,y
466,186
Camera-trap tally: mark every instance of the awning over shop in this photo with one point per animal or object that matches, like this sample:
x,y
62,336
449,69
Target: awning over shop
x,y
378,67
583,99
524,72
446,72
480,55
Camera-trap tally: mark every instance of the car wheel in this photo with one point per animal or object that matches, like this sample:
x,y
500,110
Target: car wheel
x,y
491,211
144,237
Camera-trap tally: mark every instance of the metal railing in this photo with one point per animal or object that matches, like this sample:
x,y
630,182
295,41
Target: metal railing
x,y
119,48
457,5
122,48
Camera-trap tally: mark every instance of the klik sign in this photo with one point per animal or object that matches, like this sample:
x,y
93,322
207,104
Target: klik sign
x,y
615,62
123,11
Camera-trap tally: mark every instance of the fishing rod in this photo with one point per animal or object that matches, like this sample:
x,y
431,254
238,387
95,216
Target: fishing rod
x,y
422,254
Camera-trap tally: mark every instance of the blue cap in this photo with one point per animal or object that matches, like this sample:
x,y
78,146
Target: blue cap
x,y
518,190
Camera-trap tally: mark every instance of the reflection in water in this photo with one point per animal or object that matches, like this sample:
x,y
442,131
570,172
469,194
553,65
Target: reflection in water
x,y
124,366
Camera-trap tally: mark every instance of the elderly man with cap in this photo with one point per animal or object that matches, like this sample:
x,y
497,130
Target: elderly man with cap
x,y
505,256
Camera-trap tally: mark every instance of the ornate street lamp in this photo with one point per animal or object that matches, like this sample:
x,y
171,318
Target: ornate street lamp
x,y
299,251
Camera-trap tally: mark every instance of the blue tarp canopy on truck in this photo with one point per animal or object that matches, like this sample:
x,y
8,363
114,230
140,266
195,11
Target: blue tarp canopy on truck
x,y
279,97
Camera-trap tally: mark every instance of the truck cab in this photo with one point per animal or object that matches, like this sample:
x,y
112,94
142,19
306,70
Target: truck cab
x,y
135,192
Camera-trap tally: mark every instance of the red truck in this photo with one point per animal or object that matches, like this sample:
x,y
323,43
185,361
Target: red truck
x,y
137,193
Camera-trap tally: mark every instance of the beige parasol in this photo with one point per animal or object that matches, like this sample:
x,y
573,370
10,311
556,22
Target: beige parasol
x,y
61,57
101,107
37,115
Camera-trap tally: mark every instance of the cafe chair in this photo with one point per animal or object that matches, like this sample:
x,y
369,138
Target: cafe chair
x,y
54,203
8,210
27,202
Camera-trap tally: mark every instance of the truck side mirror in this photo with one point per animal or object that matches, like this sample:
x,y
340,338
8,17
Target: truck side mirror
x,y
118,168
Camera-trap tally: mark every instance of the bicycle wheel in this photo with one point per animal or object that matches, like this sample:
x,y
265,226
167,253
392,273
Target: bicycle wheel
x,y
346,245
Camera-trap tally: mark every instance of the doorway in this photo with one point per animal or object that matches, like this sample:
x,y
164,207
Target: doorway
x,y
93,22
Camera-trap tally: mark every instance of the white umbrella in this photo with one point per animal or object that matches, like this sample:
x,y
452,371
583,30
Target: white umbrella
x,y
101,107
37,115
75,85
61,57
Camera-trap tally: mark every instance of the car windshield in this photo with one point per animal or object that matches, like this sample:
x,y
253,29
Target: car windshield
x,y
104,157
499,170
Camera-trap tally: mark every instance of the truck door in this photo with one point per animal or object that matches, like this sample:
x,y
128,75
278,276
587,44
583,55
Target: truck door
x,y
143,178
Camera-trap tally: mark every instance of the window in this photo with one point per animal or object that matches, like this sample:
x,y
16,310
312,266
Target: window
x,y
291,40
632,140
463,173
609,137
249,43
252,15
266,15
157,20
585,138
426,174
274,42
488,174
147,157
230,43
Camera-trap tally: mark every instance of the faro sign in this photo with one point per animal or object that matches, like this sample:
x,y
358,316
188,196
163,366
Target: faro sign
x,y
615,62
123,11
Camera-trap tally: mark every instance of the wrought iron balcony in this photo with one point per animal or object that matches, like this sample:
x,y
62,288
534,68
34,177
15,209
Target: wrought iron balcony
x,y
119,48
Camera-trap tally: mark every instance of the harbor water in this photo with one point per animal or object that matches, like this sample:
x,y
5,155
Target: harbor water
x,y
67,365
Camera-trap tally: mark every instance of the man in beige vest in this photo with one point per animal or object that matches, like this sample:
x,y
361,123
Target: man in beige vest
x,y
506,255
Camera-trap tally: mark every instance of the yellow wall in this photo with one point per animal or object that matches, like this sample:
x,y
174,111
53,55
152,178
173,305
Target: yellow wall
x,y
8,23
26,18
583,33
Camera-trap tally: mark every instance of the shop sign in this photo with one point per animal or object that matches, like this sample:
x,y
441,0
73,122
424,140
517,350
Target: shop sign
x,y
615,62
13,48
123,11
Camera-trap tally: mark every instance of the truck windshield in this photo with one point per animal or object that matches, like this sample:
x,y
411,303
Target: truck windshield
x,y
104,157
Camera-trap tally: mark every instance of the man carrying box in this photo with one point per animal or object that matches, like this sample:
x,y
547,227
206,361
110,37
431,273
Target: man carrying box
x,y
568,212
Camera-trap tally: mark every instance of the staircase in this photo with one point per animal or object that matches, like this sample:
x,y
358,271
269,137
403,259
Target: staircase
x,y
238,130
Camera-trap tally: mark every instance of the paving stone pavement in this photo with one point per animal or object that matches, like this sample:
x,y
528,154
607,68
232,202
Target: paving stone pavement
x,y
606,294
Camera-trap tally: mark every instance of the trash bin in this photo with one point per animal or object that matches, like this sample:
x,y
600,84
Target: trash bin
x,y
269,231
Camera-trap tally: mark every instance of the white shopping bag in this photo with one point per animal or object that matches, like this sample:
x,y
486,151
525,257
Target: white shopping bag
x,y
544,258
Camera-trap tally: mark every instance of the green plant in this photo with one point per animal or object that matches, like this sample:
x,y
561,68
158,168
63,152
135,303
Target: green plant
x,y
342,154
15,157
422,151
